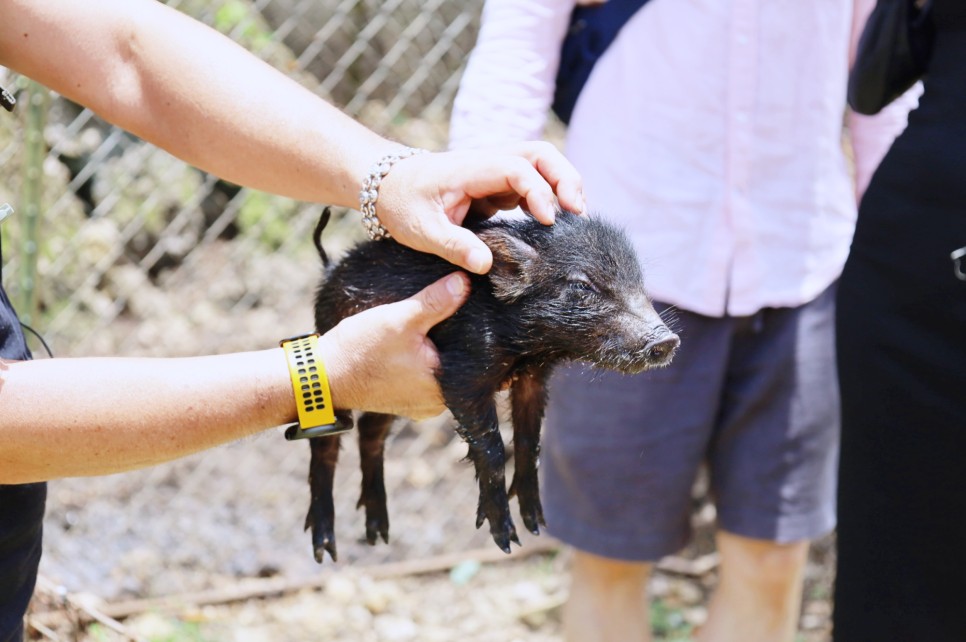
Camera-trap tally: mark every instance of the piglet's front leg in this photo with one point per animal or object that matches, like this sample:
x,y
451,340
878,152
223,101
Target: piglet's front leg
x,y
528,399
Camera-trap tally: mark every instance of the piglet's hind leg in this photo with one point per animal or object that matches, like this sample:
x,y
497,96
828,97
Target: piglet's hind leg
x,y
321,515
528,398
373,430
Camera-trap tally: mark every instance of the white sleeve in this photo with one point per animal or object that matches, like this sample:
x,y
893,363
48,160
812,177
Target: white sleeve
x,y
507,88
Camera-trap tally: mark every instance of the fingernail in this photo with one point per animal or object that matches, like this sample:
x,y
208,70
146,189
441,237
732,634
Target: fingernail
x,y
455,285
478,260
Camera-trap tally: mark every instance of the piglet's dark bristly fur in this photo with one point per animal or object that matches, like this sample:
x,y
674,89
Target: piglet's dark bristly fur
x,y
572,291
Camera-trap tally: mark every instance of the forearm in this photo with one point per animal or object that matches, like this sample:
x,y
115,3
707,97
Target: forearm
x,y
872,136
176,83
91,416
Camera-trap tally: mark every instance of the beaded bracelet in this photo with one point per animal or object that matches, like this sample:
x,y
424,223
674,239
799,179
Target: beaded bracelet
x,y
370,191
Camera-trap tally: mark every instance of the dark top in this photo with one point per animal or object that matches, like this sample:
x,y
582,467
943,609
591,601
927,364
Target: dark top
x,y
901,328
21,512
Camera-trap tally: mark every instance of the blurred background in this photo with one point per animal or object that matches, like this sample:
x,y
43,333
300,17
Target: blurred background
x,y
117,248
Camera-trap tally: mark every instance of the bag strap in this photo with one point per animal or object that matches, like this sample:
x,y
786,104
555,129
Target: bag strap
x,y
592,30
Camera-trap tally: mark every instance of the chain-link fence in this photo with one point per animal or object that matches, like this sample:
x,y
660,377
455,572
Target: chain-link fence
x,y
137,253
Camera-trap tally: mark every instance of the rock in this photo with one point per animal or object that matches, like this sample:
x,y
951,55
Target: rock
x,y
393,628
340,589
463,572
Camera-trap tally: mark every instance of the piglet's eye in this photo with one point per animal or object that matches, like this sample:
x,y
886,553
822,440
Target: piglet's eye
x,y
581,285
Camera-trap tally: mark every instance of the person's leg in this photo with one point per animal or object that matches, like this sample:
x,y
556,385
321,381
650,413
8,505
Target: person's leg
x,y
608,600
773,463
759,592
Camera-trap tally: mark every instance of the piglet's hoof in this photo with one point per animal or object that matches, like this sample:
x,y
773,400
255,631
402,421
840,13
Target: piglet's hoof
x,y
377,518
323,537
527,492
501,525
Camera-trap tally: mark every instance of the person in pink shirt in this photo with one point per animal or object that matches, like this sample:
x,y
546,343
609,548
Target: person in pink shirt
x,y
713,132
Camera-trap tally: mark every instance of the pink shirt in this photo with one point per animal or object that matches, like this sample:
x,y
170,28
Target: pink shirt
x,y
711,129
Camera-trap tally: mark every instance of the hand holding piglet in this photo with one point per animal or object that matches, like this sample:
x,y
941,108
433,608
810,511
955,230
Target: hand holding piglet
x,y
383,361
424,200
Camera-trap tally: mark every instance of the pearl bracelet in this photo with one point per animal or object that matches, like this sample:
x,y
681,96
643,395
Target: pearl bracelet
x,y
370,191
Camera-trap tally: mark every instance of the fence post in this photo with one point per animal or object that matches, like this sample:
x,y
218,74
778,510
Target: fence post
x,y
33,176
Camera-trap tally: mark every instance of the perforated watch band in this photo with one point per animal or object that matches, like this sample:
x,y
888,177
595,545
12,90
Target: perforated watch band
x,y
311,386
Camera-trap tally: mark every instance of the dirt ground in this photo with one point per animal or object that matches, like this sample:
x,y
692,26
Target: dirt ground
x,y
479,595
507,601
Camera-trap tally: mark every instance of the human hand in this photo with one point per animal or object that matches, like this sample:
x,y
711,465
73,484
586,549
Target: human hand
x,y
425,198
380,360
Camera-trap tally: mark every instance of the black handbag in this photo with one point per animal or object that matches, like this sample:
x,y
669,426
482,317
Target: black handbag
x,y
893,53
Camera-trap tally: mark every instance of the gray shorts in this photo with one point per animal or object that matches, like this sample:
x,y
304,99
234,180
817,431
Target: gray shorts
x,y
755,398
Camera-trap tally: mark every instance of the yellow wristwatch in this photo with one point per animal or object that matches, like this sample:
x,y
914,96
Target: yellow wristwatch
x,y
311,386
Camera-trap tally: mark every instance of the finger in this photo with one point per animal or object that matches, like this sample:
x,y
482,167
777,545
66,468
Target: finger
x,y
536,193
457,245
439,301
554,167
514,174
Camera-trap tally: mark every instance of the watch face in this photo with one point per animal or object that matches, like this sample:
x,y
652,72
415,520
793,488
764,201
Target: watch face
x,y
295,432
7,99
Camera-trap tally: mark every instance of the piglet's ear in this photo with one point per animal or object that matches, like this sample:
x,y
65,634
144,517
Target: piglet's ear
x,y
513,263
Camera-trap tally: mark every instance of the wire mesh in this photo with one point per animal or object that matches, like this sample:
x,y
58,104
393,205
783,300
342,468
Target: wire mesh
x,y
141,254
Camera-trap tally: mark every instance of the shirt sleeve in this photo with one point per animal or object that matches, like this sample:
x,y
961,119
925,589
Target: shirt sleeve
x,y
507,88
872,136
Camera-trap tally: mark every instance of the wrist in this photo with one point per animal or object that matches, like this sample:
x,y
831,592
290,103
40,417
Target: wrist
x,y
310,389
370,187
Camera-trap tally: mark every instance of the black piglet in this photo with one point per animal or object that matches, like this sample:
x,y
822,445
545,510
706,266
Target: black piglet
x,y
572,291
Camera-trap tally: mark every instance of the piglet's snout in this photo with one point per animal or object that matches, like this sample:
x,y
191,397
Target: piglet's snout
x,y
647,340
659,343
660,350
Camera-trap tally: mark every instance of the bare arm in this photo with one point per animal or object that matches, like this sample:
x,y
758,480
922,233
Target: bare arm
x,y
183,86
93,416
70,417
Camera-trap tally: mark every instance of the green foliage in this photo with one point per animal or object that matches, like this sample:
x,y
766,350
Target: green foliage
x,y
240,20
182,632
668,623
267,218
174,630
